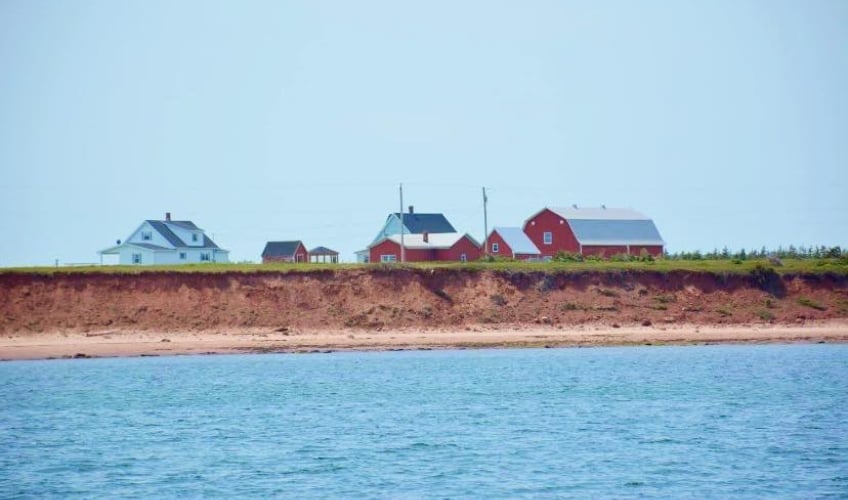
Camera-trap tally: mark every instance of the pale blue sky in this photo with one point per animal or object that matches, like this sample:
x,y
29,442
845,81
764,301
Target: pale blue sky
x,y
726,121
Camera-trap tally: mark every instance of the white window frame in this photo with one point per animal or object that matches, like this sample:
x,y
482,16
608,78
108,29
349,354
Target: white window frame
x,y
205,257
548,237
388,258
146,235
496,248
463,258
136,258
194,237
183,256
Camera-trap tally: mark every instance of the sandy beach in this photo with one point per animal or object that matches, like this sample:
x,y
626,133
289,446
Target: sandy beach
x,y
145,343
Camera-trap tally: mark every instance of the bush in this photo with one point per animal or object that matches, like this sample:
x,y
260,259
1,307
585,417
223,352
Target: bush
x,y
808,302
562,256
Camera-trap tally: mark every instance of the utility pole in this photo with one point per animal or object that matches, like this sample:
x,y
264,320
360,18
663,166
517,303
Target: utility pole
x,y
485,224
402,249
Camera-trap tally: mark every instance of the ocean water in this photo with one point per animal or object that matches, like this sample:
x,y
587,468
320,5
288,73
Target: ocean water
x,y
700,421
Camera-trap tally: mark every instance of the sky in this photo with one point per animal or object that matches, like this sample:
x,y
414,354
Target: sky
x,y
725,121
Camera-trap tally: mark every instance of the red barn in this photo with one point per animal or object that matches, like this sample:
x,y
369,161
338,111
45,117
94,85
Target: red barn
x,y
593,231
512,243
425,247
284,251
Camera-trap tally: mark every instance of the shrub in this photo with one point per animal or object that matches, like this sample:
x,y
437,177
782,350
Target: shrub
x,y
766,315
665,299
808,302
562,256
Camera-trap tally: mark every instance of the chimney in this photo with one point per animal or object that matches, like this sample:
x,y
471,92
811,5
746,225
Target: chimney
x,y
411,209
426,237
168,216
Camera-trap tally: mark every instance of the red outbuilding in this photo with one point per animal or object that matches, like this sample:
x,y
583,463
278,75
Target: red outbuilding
x,y
284,251
600,231
425,247
511,243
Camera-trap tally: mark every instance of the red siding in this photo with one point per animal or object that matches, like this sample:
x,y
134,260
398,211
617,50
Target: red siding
x,y
503,249
463,246
563,237
454,253
389,247
653,250
301,254
609,251
604,250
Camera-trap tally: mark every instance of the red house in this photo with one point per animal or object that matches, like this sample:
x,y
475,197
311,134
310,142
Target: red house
x,y
425,247
284,251
593,231
512,243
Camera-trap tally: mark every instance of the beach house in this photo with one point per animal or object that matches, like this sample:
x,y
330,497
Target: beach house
x,y
425,247
167,241
412,223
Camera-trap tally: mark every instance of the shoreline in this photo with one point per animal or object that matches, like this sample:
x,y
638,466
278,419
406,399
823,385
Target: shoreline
x,y
126,343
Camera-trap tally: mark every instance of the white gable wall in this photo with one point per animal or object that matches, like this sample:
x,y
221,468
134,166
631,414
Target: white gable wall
x,y
156,238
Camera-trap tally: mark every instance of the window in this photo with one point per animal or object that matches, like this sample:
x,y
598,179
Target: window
x,y
146,235
182,256
136,258
205,257
194,237
496,248
388,258
548,237
463,258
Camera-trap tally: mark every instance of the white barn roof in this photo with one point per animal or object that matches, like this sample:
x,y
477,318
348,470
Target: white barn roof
x,y
610,226
434,240
517,240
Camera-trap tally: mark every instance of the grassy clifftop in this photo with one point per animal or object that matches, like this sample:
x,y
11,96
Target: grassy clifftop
x,y
719,266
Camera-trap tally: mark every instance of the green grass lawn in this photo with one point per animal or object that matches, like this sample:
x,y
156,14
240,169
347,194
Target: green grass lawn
x,y
790,266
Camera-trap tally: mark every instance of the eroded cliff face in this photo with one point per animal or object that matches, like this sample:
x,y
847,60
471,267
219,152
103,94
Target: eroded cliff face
x,y
407,298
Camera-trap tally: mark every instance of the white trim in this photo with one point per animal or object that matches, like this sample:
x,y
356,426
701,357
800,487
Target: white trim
x,y
546,240
496,248
388,258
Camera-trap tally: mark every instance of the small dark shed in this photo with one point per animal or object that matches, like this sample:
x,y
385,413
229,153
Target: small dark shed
x,y
284,251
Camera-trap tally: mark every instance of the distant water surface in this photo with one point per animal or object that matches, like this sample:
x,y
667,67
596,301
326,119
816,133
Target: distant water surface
x,y
708,421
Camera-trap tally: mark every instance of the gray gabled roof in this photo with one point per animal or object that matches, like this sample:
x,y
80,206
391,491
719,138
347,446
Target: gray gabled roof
x,y
281,248
169,235
161,226
517,240
615,232
598,213
185,224
431,223
610,226
322,251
